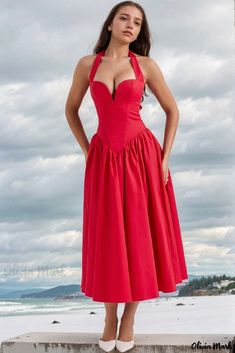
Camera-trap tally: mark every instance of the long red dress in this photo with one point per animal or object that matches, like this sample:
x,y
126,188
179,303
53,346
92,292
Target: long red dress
x,y
131,245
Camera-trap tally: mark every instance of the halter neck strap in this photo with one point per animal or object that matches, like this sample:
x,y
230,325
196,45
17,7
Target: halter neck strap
x,y
136,67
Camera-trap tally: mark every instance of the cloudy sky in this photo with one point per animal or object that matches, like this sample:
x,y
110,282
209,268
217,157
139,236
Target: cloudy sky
x,y
42,165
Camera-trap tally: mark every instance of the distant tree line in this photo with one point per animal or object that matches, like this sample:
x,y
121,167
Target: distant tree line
x,y
206,283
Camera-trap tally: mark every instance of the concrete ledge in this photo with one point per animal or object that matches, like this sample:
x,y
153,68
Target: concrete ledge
x,y
70,342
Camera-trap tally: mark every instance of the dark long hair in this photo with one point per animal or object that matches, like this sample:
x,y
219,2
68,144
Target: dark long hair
x,y
140,46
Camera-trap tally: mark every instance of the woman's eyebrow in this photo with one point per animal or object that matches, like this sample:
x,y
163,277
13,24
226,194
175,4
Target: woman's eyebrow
x,y
123,13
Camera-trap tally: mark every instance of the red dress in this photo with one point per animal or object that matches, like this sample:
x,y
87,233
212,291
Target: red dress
x,y
131,245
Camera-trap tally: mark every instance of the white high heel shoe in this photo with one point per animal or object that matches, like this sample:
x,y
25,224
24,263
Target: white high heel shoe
x,y
124,346
107,346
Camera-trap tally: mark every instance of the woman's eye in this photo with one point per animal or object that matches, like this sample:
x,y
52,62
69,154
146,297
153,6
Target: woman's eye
x,y
124,18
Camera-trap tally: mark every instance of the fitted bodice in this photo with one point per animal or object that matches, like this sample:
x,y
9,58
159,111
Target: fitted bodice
x,y
119,118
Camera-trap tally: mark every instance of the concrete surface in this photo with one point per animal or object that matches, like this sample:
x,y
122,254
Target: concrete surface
x,y
70,342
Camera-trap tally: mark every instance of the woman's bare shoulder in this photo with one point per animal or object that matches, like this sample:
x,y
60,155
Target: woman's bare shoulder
x,y
144,59
86,60
144,64
148,65
84,64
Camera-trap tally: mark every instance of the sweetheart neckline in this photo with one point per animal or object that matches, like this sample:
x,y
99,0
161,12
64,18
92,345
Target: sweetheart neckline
x,y
116,90
114,94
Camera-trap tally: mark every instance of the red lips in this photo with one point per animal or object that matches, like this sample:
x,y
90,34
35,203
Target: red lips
x,y
127,32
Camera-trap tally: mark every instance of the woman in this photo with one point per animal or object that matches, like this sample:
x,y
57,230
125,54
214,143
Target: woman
x,y
132,246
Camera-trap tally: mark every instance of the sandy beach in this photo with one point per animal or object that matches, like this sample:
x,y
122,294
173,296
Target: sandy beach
x,y
198,315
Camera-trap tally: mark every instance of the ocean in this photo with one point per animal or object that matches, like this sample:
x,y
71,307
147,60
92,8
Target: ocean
x,y
28,306
31,306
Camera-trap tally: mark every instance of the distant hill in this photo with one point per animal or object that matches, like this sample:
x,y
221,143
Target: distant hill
x,y
195,285
196,277
12,294
55,292
211,285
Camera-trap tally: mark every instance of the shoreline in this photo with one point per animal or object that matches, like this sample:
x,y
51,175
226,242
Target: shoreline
x,y
197,315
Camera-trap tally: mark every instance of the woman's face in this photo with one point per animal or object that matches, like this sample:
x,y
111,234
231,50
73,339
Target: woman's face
x,y
128,18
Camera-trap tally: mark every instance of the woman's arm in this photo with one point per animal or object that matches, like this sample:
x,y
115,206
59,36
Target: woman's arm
x,y
158,86
80,84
